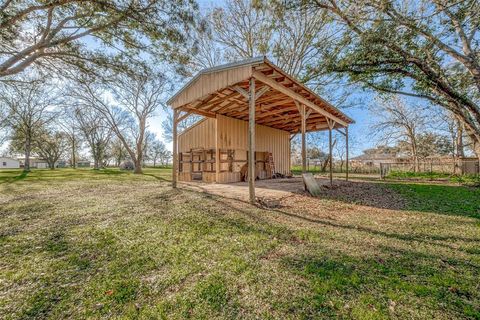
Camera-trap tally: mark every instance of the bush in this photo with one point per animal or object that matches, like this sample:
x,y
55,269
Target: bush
x,y
127,165
468,179
393,174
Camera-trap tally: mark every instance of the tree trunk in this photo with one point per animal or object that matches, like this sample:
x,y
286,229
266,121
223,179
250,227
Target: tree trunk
x,y
74,162
325,164
138,167
96,160
459,143
28,145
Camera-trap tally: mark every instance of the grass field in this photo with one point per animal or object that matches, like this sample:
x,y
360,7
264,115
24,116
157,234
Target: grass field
x,y
82,244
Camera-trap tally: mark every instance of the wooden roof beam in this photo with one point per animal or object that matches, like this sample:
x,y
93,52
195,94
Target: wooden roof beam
x,y
276,86
197,111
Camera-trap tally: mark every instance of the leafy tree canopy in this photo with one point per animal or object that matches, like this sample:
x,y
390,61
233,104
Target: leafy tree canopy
x,y
427,48
88,34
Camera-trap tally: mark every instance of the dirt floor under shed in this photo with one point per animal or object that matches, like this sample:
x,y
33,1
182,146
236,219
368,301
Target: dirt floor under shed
x,y
290,192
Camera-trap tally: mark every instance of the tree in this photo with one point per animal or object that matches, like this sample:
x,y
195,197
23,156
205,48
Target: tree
x,y
165,157
69,125
52,33
431,144
158,151
137,97
28,107
95,130
398,121
243,27
147,146
428,49
249,28
50,145
340,148
167,125
117,151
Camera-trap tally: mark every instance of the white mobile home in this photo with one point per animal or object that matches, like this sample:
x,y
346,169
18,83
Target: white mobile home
x,y
9,163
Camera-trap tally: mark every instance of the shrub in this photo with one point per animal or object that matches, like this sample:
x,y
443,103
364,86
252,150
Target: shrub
x,y
467,179
127,165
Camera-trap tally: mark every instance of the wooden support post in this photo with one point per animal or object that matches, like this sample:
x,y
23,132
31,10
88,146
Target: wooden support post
x,y
330,155
346,146
304,142
217,153
175,149
251,141
301,110
331,125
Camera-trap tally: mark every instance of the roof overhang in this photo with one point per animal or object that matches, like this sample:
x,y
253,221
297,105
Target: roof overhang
x,y
219,90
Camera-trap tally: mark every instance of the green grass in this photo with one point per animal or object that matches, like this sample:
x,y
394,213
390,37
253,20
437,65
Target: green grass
x,y
444,199
82,244
418,175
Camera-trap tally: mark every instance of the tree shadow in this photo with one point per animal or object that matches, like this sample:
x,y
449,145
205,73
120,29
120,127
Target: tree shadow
x,y
336,280
157,177
430,239
14,179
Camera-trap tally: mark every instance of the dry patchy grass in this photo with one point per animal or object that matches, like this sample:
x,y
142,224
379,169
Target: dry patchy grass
x,y
107,244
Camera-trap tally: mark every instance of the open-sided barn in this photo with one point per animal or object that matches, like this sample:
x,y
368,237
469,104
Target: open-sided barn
x,y
252,109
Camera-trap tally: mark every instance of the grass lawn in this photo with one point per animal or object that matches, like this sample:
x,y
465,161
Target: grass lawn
x,y
82,244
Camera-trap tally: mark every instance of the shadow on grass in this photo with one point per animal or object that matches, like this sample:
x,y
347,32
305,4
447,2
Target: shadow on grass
x,y
376,285
157,177
336,283
110,172
430,239
13,179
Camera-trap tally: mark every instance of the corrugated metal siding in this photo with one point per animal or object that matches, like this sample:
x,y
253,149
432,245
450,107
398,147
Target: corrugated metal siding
x,y
211,82
201,135
233,134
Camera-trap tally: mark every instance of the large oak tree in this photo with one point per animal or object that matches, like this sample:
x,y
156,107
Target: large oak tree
x,y
428,49
88,34
136,98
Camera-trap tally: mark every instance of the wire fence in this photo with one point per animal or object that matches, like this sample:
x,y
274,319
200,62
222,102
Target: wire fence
x,y
433,168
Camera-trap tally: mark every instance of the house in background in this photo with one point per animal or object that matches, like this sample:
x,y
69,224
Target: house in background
x,y
375,159
83,164
62,164
37,163
9,163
